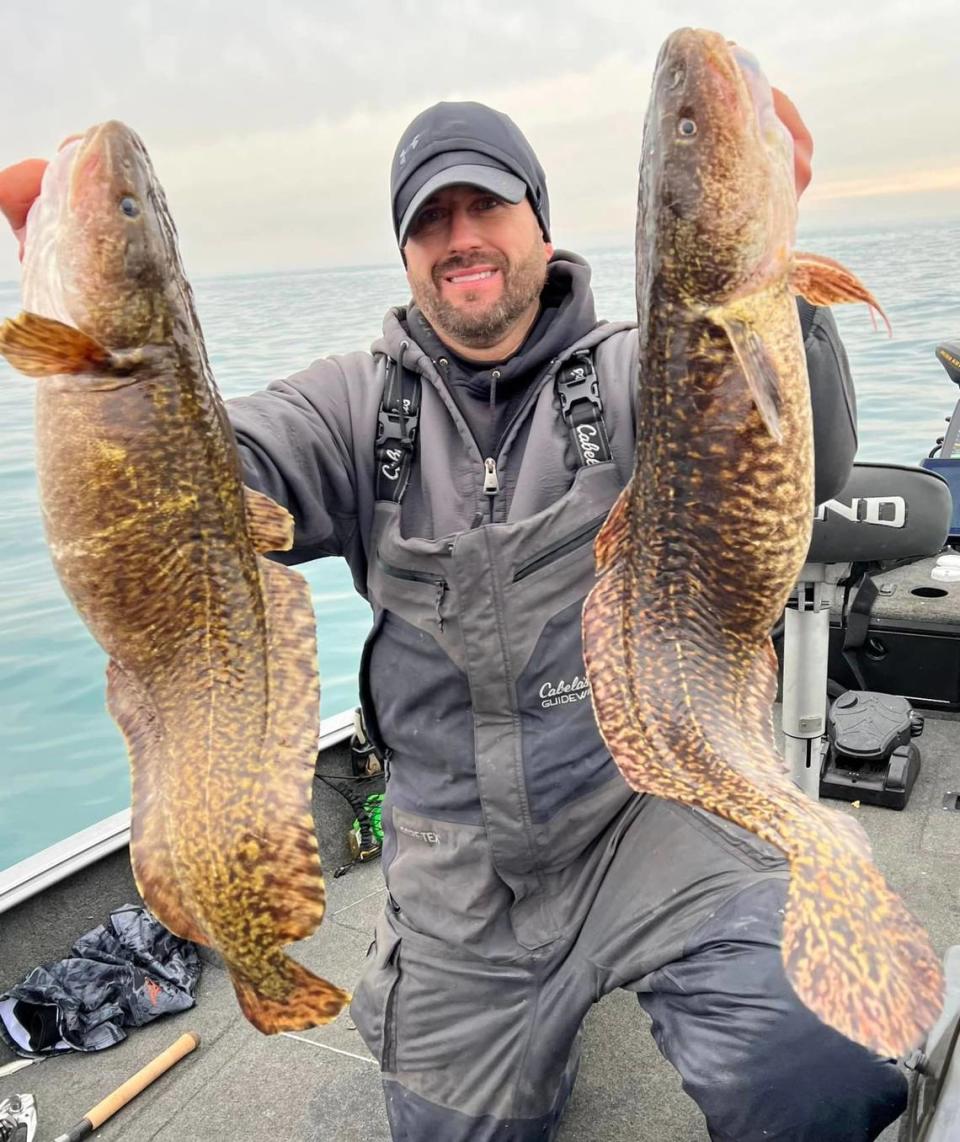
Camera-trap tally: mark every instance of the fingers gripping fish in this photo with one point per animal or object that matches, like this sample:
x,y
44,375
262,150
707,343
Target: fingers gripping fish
x,y
699,556
212,675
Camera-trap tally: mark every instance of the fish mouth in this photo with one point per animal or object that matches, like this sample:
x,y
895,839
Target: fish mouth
x,y
58,177
772,130
94,161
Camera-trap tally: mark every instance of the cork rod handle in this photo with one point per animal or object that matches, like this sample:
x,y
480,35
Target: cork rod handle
x,y
143,1078
96,1117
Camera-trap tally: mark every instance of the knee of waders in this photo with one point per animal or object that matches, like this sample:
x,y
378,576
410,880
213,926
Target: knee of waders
x,y
759,1063
823,1088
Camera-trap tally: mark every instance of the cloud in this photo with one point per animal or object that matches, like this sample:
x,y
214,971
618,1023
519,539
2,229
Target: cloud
x,y
273,130
909,182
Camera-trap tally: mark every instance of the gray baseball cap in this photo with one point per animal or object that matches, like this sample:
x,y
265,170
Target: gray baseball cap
x,y
464,143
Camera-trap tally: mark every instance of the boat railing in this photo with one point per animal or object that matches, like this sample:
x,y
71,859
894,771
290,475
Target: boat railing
x,y
27,877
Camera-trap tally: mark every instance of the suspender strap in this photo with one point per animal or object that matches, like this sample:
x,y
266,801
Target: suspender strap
x,y
581,407
397,424
399,419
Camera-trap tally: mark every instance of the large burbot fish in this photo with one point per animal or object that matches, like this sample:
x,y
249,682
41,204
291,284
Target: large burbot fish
x,y
212,675
699,556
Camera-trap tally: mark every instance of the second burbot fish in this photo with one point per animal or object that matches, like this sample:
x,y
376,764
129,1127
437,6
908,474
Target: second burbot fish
x,y
704,546
212,675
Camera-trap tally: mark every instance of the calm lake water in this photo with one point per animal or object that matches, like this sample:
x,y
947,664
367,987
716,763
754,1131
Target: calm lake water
x,y
62,759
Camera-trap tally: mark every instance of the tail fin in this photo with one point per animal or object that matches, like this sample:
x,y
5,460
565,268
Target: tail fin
x,y
853,953
308,1000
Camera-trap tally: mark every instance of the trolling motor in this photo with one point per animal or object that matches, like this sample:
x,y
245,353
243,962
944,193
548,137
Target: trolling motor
x,y
864,749
870,754
943,457
948,354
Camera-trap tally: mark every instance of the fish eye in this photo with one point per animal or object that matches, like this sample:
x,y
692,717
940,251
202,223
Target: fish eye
x,y
129,206
686,128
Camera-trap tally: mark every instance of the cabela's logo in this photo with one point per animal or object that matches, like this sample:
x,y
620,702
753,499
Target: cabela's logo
x,y
392,469
563,692
587,435
394,456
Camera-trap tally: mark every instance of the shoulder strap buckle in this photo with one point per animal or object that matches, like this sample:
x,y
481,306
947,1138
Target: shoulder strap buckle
x,y
578,389
397,428
577,381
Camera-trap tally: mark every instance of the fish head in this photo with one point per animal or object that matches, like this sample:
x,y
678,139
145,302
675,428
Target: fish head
x,y
99,241
717,200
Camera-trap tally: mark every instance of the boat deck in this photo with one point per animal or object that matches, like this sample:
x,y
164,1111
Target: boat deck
x,y
322,1085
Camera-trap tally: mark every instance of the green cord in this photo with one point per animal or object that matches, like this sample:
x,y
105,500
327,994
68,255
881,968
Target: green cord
x,y
373,807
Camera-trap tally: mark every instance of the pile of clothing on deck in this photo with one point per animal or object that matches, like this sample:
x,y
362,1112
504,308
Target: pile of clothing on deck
x,y
122,974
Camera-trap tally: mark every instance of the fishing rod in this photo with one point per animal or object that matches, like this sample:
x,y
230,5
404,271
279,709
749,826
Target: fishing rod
x,y
116,1100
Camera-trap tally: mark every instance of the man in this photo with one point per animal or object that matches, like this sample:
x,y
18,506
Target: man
x,y
451,468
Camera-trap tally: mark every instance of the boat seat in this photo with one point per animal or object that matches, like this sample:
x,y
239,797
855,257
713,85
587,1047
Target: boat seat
x,y
885,513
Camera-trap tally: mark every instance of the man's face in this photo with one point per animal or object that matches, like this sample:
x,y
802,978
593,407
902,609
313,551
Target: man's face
x,y
475,264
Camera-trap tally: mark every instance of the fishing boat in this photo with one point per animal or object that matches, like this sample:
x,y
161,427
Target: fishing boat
x,y
872,635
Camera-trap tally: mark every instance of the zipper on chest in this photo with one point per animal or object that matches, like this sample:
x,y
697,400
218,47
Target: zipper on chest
x,y
491,482
491,486
412,576
561,547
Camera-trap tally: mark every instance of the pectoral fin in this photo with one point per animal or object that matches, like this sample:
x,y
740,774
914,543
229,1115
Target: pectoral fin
x,y
42,347
758,368
270,526
822,281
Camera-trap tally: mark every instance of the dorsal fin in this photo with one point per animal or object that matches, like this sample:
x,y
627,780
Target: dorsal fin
x,y
290,747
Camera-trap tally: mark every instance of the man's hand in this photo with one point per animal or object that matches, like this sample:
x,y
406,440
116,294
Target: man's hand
x,y
19,186
789,116
19,189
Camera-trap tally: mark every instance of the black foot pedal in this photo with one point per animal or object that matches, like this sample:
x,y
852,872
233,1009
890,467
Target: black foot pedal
x,y
870,754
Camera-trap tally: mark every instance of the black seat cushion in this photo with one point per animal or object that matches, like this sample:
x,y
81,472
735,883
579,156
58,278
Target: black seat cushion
x,y
885,511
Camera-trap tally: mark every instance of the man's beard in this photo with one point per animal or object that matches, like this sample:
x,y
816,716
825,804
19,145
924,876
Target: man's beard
x,y
521,287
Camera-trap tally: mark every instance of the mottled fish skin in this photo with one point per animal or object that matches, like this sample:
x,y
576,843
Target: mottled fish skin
x,y
705,544
212,675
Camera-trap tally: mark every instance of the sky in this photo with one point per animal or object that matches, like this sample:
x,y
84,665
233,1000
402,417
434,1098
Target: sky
x,y
272,125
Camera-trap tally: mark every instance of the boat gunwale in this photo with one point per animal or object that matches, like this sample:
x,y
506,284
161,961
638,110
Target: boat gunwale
x,y
34,874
